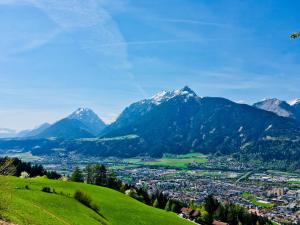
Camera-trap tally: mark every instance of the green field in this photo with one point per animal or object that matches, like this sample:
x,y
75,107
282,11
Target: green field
x,y
178,161
252,198
32,206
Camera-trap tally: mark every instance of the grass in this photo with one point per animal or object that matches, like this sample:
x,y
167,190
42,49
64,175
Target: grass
x,y
294,182
178,161
252,198
34,207
169,161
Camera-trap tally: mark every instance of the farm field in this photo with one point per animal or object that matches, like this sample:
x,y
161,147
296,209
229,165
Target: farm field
x,y
171,161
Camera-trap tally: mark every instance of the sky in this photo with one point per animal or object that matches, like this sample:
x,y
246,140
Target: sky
x,y
59,55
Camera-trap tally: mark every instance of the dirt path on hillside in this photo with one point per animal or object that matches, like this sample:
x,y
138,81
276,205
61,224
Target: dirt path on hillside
x,y
6,223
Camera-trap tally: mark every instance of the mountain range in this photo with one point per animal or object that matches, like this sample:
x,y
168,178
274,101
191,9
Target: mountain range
x,y
82,123
281,108
180,122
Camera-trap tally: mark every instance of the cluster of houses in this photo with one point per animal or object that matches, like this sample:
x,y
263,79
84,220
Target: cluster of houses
x,y
191,214
194,187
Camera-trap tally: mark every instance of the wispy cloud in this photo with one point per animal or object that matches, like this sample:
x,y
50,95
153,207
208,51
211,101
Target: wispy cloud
x,y
37,42
195,22
147,42
102,35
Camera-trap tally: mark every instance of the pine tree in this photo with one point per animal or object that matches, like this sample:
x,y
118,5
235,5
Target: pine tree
x,y
156,204
168,206
174,207
77,175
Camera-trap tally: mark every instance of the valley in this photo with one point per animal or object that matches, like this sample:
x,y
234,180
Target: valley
x,y
186,147
191,177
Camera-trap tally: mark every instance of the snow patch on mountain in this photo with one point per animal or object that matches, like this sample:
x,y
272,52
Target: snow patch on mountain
x,y
294,102
164,96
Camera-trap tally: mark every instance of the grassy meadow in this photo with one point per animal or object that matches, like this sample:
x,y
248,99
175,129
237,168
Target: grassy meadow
x,y
32,206
171,161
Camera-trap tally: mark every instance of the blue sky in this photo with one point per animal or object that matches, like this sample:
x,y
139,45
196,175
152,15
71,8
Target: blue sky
x,y
58,55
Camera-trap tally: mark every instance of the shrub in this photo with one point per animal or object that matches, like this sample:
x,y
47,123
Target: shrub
x,y
24,175
86,200
83,198
95,207
46,189
27,187
53,175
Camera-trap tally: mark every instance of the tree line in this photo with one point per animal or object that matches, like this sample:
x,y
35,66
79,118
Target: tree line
x,y
14,167
97,175
227,212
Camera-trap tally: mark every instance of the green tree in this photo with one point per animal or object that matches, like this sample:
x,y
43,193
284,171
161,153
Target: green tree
x,y
220,213
211,204
156,204
174,207
295,35
89,174
168,206
77,175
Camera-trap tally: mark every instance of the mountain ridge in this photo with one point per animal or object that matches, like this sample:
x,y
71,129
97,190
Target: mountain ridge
x,y
185,122
280,107
179,122
82,123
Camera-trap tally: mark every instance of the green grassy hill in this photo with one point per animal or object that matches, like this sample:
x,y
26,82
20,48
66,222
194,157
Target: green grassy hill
x,y
34,207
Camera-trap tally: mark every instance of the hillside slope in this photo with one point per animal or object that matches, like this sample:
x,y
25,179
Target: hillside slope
x,y
35,207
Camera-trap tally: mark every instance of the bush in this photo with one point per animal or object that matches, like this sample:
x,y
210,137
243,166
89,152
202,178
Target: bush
x,y
46,189
83,198
95,207
27,187
86,200
24,175
53,175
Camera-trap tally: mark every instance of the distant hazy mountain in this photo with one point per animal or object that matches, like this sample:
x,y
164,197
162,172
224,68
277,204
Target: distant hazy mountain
x,y
7,133
281,108
88,118
67,129
82,123
33,132
180,121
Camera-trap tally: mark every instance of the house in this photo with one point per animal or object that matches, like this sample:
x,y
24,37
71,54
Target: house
x,y
189,213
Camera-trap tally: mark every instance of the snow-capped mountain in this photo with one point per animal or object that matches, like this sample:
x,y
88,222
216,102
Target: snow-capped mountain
x,y
82,123
281,108
277,106
178,121
296,105
141,109
89,119
294,102
165,96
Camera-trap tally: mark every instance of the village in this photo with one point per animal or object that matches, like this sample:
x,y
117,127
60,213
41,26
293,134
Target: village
x,y
261,193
